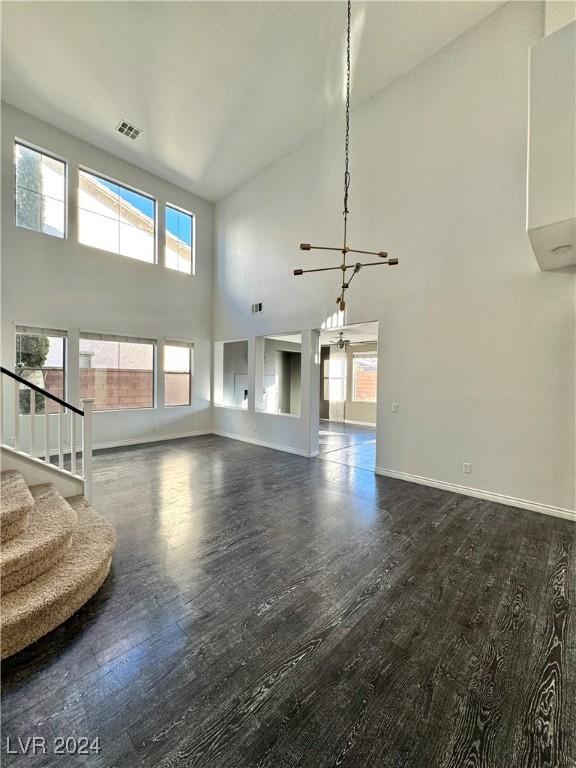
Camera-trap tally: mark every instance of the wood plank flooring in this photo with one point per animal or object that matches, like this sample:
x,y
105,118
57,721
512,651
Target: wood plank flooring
x,y
270,611
345,443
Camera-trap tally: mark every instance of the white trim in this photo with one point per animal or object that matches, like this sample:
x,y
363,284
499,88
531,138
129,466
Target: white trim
x,y
499,498
29,329
349,421
36,471
265,444
274,413
117,337
152,439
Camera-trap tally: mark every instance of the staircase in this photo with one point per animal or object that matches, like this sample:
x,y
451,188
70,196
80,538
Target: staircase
x,y
55,555
55,549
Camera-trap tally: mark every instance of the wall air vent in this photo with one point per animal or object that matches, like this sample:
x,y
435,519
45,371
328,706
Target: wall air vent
x,y
256,307
128,130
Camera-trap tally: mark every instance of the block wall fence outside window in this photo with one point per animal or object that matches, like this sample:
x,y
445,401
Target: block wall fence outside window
x,y
116,372
178,373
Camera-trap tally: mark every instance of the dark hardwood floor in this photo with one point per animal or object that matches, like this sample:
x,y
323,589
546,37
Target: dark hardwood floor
x,y
266,610
346,443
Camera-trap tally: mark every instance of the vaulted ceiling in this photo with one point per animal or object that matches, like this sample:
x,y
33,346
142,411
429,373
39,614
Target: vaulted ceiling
x,y
220,89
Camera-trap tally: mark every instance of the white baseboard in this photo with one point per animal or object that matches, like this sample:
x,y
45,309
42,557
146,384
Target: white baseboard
x,y
265,444
153,439
499,498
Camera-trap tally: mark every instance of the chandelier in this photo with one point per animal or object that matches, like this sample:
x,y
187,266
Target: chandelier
x,y
345,249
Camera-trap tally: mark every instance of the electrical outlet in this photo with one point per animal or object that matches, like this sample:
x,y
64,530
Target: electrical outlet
x,y
466,467
395,407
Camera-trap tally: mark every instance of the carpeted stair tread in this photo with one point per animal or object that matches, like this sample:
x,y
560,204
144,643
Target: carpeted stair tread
x,y
45,541
16,502
36,608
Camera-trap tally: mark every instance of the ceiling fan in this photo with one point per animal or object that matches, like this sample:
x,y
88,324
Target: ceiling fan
x,y
342,343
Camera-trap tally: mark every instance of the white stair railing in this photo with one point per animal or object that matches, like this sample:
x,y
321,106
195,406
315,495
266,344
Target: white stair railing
x,y
67,433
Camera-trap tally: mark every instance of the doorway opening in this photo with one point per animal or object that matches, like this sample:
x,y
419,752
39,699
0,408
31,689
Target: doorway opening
x,y
348,395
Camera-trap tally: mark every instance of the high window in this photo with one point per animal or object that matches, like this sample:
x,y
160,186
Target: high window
x,y
114,218
41,360
40,191
179,240
117,372
364,373
177,373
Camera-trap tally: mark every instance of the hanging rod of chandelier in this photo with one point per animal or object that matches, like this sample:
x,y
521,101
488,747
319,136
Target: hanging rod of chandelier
x,y
344,267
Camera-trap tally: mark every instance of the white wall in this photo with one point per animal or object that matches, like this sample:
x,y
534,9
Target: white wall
x,y
294,433
475,343
61,284
558,14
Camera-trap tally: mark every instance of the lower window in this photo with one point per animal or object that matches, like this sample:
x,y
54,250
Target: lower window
x,y
116,372
40,359
177,373
364,377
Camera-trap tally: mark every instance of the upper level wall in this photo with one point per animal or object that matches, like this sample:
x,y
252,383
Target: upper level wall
x,y
62,284
476,345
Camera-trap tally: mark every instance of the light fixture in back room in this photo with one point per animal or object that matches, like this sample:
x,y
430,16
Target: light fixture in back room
x,y
345,249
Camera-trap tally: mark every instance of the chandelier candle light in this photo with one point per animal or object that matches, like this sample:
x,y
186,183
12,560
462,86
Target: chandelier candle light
x,y
344,268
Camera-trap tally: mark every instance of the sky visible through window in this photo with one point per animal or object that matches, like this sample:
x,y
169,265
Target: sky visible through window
x,y
179,224
144,204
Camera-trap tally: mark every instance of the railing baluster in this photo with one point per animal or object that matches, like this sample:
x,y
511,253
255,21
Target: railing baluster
x,y
73,442
16,415
32,446
61,434
22,385
1,409
87,448
46,433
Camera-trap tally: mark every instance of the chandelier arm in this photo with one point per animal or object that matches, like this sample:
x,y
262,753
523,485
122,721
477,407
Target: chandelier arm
x,y
323,248
319,269
383,263
369,253
352,276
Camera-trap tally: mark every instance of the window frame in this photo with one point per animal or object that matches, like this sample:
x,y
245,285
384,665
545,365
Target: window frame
x,y
23,329
54,156
190,346
127,339
356,356
135,190
192,215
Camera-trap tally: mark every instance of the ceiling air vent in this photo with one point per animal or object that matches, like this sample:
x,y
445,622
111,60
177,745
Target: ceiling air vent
x,y
256,307
128,130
